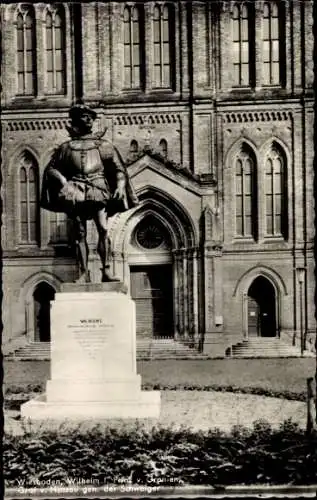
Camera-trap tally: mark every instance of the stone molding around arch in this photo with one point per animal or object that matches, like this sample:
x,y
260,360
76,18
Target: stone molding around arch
x,y
17,155
282,148
26,296
35,279
237,145
164,227
178,224
156,195
249,276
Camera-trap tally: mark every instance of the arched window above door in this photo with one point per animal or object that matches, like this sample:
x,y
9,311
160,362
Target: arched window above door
x,y
59,226
163,48
29,226
163,148
133,43
245,193
273,43
243,44
276,193
55,50
134,149
150,234
26,50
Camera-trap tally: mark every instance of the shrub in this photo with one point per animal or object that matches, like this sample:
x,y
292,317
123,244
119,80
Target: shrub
x,y
141,455
25,390
239,432
261,430
18,389
259,391
289,427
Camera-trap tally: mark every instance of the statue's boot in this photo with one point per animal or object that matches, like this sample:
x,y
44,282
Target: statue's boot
x,y
84,277
107,276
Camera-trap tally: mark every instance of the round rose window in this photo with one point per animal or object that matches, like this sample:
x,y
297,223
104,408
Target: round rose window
x,y
150,234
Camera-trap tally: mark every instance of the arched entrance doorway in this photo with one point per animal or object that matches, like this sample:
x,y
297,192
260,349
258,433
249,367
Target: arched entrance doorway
x,y
154,250
261,308
151,283
152,291
42,296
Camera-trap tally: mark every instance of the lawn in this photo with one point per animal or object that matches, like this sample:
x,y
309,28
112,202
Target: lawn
x,y
284,374
273,453
277,375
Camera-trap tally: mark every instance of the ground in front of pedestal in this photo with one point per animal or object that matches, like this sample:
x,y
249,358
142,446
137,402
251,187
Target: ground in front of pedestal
x,y
199,410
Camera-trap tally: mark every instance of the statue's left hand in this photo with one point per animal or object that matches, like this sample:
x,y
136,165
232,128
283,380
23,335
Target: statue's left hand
x,y
68,192
119,193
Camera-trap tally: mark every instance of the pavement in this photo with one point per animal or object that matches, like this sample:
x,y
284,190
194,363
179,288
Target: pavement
x,y
198,410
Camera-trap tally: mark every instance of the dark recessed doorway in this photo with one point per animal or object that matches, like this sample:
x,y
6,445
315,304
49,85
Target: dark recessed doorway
x,y
261,308
152,291
42,296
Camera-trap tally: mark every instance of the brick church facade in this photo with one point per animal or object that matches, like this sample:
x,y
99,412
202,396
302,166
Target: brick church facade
x,y
211,107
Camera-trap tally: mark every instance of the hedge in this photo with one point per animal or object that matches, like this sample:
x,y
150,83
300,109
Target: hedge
x,y
138,455
16,395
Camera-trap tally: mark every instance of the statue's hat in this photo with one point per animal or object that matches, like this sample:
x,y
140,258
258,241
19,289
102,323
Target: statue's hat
x,y
79,109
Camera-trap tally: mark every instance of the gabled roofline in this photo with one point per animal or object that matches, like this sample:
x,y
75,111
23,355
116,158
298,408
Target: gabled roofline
x,y
173,166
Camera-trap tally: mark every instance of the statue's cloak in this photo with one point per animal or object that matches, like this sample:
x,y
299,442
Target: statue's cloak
x,y
112,163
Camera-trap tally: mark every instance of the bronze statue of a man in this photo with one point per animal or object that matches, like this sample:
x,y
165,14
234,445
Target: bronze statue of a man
x,y
87,179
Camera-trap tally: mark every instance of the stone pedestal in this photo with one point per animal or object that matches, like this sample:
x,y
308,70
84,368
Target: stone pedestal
x,y
93,358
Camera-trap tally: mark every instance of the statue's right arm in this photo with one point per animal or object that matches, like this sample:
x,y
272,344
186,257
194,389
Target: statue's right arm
x,y
53,170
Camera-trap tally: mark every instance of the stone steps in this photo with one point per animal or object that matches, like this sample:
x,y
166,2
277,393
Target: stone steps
x,y
165,348
266,348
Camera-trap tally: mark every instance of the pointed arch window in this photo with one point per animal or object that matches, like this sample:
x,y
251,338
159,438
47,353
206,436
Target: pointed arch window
x,y
134,149
133,47
28,198
273,43
58,227
245,194
26,56
243,44
163,148
55,51
276,193
163,53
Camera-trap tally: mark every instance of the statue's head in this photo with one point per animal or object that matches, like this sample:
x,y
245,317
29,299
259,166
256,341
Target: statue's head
x,y
82,117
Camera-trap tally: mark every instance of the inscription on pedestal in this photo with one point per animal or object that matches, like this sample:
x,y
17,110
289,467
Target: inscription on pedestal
x,y
92,335
92,338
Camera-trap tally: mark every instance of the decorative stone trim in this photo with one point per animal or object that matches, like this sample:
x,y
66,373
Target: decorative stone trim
x,y
59,124
257,116
21,125
162,118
